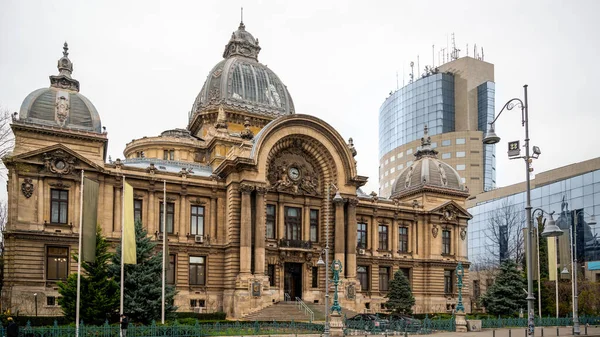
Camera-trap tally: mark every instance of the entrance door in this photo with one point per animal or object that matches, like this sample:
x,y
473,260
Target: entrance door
x,y
293,280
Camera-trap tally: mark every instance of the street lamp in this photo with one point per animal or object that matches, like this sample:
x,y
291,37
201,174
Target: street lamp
x,y
491,138
550,231
574,267
35,296
336,198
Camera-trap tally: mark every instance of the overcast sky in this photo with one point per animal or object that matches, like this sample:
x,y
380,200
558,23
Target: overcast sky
x,y
142,63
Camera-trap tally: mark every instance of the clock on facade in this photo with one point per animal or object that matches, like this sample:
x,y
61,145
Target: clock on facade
x,y
294,173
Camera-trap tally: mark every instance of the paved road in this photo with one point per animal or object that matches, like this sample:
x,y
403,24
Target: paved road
x,y
520,332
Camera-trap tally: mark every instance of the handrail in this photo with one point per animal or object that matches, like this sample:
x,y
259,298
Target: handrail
x,y
287,297
307,310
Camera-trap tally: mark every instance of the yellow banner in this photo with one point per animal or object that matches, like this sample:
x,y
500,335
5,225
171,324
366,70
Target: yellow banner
x,y
128,240
552,265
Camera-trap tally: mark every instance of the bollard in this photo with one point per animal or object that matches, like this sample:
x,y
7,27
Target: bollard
x,y
542,331
586,329
509,332
557,331
525,332
494,333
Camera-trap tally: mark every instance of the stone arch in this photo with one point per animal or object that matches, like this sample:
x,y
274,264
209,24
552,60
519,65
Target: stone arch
x,y
319,140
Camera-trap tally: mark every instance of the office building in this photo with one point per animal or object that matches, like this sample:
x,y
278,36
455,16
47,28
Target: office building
x,y
456,102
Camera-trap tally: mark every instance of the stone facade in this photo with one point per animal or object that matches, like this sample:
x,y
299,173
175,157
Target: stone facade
x,y
250,198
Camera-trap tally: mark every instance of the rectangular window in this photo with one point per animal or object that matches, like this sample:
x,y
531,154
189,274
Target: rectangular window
x,y
446,142
362,273
166,154
383,237
270,221
315,277
409,151
406,272
57,263
51,300
384,278
172,269
448,281
170,217
402,239
460,167
361,236
197,270
460,154
271,274
400,155
293,223
460,141
446,155
314,225
476,289
197,220
445,242
137,210
169,154
59,206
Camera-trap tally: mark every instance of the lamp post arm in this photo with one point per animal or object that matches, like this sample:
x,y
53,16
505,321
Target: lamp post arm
x,y
515,102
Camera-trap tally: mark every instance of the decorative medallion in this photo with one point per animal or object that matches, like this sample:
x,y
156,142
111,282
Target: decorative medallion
x,y
293,172
61,113
434,231
449,213
59,162
256,288
151,169
463,234
217,73
27,188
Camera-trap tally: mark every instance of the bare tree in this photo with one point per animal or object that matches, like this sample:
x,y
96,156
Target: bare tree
x,y
505,234
7,139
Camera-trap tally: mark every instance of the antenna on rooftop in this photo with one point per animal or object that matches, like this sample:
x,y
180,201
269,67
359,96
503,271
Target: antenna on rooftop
x,y
467,49
455,52
397,86
433,56
242,15
482,53
412,71
418,66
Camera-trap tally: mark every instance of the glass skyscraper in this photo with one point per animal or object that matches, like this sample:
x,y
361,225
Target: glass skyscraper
x,y
456,102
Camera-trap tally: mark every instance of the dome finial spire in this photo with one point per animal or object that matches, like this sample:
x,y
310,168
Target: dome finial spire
x,y
66,49
242,26
65,68
426,149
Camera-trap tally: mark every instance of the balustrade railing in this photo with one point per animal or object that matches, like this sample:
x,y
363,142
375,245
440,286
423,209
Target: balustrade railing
x,y
285,243
303,307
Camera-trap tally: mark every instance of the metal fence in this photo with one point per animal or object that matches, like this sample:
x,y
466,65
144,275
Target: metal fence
x,y
496,323
179,330
398,325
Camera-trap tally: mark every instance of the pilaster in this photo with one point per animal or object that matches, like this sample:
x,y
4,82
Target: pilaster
x,y
351,240
340,239
246,229
259,234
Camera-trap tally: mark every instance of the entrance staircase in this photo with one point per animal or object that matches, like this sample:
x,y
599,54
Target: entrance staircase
x,y
289,310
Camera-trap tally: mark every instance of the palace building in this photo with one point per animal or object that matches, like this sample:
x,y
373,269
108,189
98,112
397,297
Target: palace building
x,y
249,200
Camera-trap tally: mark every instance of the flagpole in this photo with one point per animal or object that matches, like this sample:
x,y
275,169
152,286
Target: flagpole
x,y
122,251
162,312
79,258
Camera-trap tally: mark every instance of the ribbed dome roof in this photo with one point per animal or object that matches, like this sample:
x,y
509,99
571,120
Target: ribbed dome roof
x,y
427,171
61,105
241,81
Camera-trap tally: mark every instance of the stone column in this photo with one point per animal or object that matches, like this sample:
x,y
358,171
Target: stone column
x,y
280,221
374,235
151,223
213,218
394,237
306,221
340,239
259,234
246,229
40,201
351,240
184,225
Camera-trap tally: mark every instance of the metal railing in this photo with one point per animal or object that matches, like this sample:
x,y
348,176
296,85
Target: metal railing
x,y
174,329
285,243
303,307
287,297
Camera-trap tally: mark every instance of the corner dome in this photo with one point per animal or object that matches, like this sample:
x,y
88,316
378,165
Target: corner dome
x,y
427,171
240,81
61,105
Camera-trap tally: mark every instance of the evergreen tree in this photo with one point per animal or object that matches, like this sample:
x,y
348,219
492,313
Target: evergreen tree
x,y
143,286
99,292
506,295
400,297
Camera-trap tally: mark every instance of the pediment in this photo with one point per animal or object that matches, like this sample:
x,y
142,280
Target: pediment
x,y
57,159
450,211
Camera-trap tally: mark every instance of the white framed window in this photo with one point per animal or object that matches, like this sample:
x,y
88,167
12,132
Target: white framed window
x,y
400,167
446,142
392,158
392,170
460,167
386,162
433,145
460,141
460,154
409,151
386,173
400,155
446,155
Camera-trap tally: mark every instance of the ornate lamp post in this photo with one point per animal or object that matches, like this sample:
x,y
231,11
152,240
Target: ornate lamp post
x,y
491,138
461,323
336,198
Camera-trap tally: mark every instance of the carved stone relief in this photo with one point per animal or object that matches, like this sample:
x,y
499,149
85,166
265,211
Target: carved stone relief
x,y
59,162
293,172
449,213
434,231
27,188
463,234
62,108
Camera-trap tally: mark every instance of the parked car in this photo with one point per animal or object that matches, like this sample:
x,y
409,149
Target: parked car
x,y
368,322
403,321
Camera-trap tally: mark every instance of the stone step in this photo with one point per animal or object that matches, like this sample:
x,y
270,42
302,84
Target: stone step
x,y
287,311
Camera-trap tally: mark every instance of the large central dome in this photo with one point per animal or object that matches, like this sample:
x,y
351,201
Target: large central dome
x,y
241,82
